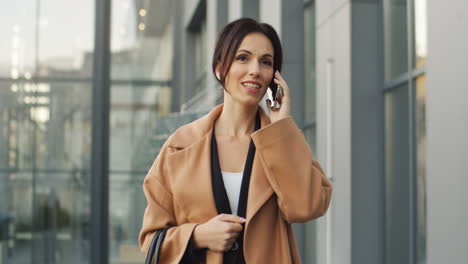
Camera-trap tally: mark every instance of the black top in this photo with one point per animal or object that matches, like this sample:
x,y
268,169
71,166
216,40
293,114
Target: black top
x,y
236,254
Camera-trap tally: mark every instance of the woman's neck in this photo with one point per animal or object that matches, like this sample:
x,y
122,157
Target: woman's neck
x,y
236,120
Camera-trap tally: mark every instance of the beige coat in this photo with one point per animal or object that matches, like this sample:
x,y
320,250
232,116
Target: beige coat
x,y
287,186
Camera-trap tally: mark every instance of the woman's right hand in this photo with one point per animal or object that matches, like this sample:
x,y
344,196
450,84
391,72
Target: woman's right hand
x,y
219,233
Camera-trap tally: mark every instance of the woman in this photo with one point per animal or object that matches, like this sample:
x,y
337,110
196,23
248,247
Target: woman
x,y
231,183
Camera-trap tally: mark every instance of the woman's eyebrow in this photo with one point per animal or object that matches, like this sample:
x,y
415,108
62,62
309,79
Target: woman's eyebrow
x,y
246,51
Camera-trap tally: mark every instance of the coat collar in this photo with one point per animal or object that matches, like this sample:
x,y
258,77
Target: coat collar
x,y
194,140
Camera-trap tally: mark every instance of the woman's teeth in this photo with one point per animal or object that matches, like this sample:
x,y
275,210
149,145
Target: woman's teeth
x,y
251,85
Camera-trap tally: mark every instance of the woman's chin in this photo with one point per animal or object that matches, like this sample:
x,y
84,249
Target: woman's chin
x,y
248,100
251,101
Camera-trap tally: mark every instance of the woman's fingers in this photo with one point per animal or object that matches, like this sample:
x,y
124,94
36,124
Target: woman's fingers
x,y
281,82
232,218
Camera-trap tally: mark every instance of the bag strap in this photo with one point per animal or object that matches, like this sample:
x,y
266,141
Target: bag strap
x,y
152,247
159,244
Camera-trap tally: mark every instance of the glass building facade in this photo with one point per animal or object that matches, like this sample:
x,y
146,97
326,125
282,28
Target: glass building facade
x,y
46,122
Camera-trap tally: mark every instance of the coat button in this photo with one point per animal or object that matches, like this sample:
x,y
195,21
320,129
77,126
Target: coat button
x,y
235,246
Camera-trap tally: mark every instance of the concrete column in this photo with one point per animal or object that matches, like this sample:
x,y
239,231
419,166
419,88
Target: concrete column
x,y
270,12
235,10
334,126
447,127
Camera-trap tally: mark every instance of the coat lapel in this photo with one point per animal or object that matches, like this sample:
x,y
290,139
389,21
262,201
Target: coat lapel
x,y
191,168
259,190
192,174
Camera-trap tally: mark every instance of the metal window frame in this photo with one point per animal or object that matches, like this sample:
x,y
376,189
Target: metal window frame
x,y
99,218
403,79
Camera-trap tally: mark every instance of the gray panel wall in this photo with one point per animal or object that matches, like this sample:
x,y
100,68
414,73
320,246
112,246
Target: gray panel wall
x,y
447,130
367,139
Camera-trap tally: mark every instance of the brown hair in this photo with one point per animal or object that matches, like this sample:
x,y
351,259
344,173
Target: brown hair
x,y
230,39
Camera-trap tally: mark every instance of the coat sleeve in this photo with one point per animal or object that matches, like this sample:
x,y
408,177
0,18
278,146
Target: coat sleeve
x,y
303,191
160,213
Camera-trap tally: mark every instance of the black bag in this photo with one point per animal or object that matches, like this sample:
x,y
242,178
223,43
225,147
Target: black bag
x,y
155,246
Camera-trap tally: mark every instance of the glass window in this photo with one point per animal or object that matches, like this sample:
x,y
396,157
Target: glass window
x,y
140,31
66,39
141,58
405,131
45,131
420,29
395,38
45,138
200,58
17,48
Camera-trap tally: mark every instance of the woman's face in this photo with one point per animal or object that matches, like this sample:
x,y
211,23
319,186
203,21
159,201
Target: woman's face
x,y
252,70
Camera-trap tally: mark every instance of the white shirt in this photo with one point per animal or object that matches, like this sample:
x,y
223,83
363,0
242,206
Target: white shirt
x,y
232,183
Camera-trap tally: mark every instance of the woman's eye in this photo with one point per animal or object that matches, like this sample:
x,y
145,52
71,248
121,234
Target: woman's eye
x,y
267,62
242,58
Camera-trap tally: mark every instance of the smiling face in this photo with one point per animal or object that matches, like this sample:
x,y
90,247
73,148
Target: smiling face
x,y
251,71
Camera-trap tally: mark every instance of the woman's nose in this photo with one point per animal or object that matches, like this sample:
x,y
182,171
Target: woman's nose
x,y
254,68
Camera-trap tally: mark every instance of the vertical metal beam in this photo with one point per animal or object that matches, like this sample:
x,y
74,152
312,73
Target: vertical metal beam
x,y
100,135
177,60
367,134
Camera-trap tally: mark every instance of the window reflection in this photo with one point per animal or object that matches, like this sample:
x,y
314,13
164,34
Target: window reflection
x,y
141,43
17,47
66,38
420,25
140,117
44,146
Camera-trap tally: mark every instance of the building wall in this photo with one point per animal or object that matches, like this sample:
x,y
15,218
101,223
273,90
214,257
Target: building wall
x,y
334,126
447,127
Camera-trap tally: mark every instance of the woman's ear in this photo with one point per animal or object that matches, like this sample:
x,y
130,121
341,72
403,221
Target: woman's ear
x,y
218,72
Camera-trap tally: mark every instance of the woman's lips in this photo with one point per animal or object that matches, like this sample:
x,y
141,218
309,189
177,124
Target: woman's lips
x,y
250,89
252,86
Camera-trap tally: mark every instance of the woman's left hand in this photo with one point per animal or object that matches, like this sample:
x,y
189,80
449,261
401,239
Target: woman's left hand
x,y
285,110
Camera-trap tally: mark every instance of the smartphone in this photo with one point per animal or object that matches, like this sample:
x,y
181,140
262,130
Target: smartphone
x,y
276,95
273,87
